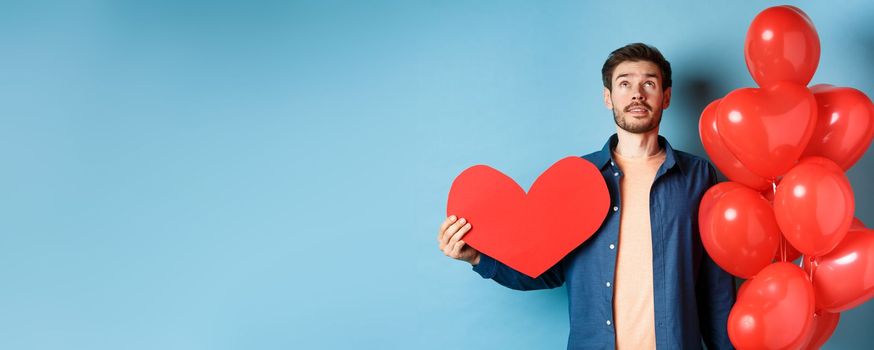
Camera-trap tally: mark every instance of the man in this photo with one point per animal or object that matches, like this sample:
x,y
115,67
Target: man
x,y
643,280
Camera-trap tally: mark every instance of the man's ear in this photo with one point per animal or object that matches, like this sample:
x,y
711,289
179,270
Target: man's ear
x,y
667,99
607,100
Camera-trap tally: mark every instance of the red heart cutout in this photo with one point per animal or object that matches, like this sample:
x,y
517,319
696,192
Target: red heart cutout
x,y
844,126
530,233
767,129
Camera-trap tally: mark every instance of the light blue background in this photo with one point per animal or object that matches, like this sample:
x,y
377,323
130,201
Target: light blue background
x,y
271,175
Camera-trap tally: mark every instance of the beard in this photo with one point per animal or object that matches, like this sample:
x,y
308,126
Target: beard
x,y
634,125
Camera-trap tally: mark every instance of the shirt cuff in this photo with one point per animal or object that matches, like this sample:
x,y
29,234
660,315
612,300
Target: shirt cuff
x,y
486,266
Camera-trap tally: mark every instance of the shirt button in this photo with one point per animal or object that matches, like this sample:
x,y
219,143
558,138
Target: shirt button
x,y
608,284
615,174
615,208
612,246
608,322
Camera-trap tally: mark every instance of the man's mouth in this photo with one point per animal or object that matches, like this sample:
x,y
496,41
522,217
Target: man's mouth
x,y
637,109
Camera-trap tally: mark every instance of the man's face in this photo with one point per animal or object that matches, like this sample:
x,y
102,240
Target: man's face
x,y
637,99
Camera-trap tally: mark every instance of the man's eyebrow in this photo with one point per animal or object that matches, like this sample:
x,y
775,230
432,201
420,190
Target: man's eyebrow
x,y
648,75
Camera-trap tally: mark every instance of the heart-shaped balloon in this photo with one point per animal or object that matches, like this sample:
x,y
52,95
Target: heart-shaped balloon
x,y
814,205
774,310
721,156
844,126
767,129
738,229
844,278
824,324
782,45
530,233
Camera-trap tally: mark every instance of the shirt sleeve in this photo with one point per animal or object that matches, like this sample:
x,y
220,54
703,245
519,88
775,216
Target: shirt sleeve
x,y
506,276
716,295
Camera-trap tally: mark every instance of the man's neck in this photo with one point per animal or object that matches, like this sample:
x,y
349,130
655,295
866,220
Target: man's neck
x,y
632,145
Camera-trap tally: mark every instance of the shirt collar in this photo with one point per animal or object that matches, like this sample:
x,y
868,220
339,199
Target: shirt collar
x,y
605,155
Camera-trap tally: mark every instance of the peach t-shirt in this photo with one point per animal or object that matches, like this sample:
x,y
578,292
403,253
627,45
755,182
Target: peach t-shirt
x,y
634,317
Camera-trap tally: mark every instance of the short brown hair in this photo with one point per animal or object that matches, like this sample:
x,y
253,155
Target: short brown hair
x,y
636,52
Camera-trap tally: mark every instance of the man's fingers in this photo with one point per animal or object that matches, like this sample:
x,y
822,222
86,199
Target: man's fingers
x,y
447,250
449,220
451,231
456,249
457,236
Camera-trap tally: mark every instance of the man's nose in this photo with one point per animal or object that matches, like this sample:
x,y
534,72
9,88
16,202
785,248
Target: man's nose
x,y
637,94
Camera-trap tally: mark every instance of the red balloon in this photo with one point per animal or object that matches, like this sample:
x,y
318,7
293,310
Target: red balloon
x,y
738,229
767,129
824,324
844,278
781,45
775,310
814,206
844,125
716,192
725,160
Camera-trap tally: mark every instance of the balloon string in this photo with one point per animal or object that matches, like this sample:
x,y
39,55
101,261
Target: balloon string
x,y
813,265
783,253
783,256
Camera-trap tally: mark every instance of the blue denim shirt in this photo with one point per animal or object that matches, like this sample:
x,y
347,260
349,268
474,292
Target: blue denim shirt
x,y
692,295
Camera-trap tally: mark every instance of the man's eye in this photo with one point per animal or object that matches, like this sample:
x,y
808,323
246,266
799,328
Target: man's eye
x,y
649,83
623,84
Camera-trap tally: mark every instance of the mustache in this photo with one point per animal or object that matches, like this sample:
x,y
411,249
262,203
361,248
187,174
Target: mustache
x,y
638,104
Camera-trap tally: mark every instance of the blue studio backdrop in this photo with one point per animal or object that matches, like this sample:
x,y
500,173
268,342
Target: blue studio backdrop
x,y
272,174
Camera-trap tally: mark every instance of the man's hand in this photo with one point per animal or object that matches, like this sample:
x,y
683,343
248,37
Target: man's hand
x,y
450,241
